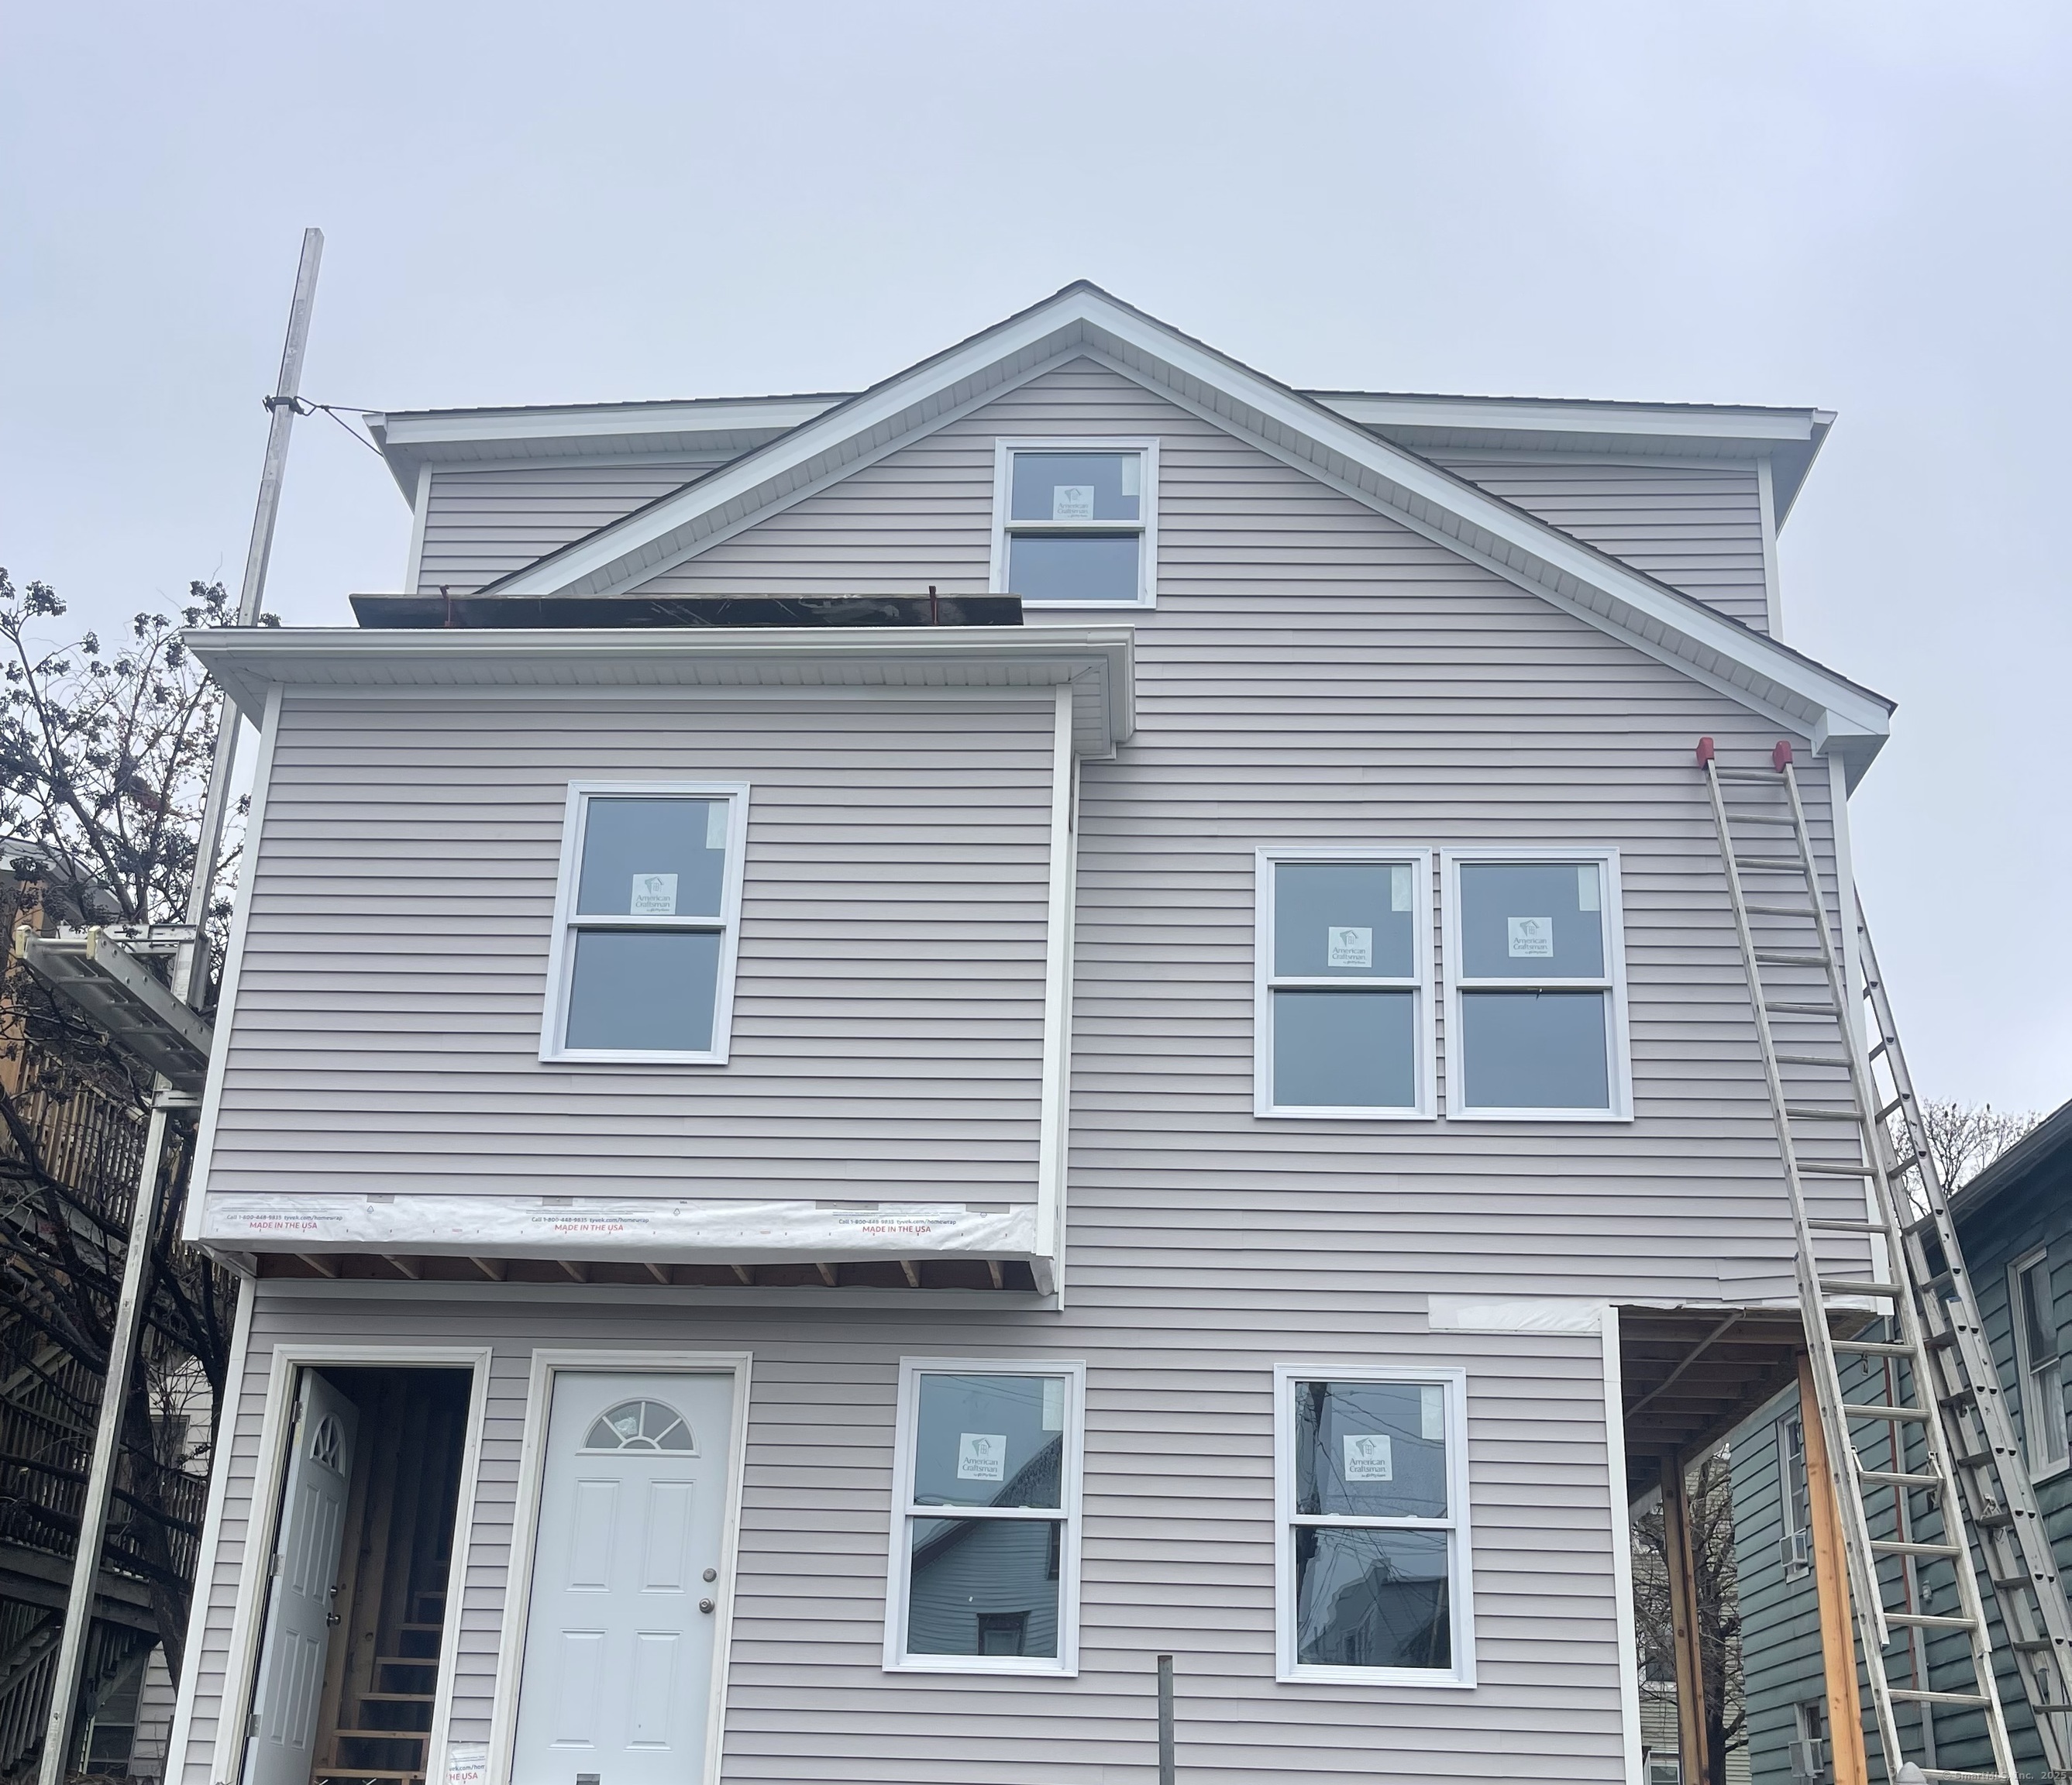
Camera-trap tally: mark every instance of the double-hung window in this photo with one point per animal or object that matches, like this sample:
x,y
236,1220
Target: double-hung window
x,y
1343,983
1372,1573
1795,1545
1536,1014
986,1518
1076,522
2037,1362
645,923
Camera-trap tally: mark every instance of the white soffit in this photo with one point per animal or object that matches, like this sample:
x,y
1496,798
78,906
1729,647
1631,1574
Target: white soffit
x,y
1775,680
1096,662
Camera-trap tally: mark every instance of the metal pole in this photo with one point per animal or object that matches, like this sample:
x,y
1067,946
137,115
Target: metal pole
x,y
1165,1767
189,979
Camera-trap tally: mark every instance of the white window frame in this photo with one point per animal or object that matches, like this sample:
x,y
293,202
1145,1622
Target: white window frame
x,y
1146,524
561,954
1618,1042
1789,1525
1265,983
1460,1571
1065,1664
2028,1368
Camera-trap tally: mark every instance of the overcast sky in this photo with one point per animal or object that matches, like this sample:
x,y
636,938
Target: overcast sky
x,y
1861,206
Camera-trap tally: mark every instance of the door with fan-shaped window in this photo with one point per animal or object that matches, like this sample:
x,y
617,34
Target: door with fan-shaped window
x,y
617,1681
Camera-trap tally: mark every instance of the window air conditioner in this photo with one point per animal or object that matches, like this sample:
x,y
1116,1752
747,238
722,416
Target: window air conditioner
x,y
1809,1759
1794,1550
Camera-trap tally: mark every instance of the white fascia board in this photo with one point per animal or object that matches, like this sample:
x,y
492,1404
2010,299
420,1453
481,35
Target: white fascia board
x,y
1445,507
1753,427
1097,662
448,427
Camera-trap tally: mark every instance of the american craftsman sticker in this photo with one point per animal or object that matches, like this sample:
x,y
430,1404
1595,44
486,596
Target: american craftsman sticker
x,y
1369,1457
1347,947
1399,887
1071,502
654,896
981,1456
1531,938
716,825
1432,1415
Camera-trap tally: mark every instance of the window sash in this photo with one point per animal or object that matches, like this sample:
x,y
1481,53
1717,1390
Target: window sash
x,y
1418,982
1610,984
2046,1441
1065,1518
570,923
1287,1381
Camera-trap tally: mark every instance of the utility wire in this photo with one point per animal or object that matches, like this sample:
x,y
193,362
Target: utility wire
x,y
337,412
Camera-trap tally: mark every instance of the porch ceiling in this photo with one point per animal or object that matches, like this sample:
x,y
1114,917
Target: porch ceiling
x,y
1689,1376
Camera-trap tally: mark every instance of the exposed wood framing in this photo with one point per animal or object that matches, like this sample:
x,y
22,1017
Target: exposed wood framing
x,y
1831,1579
1691,1744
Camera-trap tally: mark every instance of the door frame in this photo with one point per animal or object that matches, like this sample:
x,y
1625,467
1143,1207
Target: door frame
x,y
548,1363
240,1671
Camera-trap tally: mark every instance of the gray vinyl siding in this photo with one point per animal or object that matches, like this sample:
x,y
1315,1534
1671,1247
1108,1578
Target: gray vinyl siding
x,y
1697,527
1179,1540
1315,672
888,1001
483,523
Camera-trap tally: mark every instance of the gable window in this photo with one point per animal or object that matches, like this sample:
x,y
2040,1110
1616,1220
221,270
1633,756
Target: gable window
x,y
986,1518
1535,1013
1795,1546
645,923
1342,982
2034,1310
1075,522
1372,1573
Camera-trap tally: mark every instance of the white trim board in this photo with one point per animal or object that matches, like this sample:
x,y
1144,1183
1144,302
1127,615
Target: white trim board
x,y
1082,320
547,1362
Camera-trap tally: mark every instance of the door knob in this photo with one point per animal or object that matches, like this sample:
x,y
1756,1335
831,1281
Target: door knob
x,y
704,1605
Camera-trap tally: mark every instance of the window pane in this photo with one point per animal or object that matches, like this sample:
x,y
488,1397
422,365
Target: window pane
x,y
989,1441
1372,1598
1344,919
2039,1326
1345,1050
1077,487
1073,567
653,858
1535,1050
982,1586
1371,1450
644,989
1532,921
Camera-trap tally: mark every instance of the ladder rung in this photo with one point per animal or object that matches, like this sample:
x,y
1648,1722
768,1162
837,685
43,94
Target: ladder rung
x,y
1911,1695
1824,1225
1788,957
1831,1168
1849,1286
1880,1409
1763,909
1794,1007
1770,778
1815,1112
1872,1348
1892,1546
1742,815
1834,1060
1900,1478
1897,1103
1776,864
1927,1620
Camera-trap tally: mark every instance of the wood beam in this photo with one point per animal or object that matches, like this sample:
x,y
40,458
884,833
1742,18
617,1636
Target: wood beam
x,y
492,1268
407,1266
827,1273
746,1273
1830,1581
660,1272
913,1273
322,1266
1691,1740
577,1272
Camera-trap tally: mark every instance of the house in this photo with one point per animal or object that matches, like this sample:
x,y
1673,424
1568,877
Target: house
x,y
887,1054
2014,1219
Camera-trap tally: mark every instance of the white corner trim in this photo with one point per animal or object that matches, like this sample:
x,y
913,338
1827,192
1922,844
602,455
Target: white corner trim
x,y
1629,1633
1765,491
233,963
211,1536
1509,1314
1054,1101
546,1364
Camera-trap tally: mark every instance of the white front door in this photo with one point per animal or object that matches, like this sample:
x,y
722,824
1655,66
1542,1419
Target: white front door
x,y
617,1682
305,1569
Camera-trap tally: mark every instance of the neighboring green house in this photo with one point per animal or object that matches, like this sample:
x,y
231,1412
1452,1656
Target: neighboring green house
x,y
2014,1219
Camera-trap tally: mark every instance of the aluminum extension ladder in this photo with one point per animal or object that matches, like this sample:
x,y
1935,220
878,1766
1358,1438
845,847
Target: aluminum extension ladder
x,y
1829,1135
2036,1621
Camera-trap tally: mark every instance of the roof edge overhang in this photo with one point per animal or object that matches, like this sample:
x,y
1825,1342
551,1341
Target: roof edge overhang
x,y
1096,662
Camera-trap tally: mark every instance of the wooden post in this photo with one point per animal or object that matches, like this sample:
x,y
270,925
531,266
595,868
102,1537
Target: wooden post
x,y
1691,1742
1830,1581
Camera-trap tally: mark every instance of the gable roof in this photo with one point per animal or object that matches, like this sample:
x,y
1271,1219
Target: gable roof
x,y
1084,321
